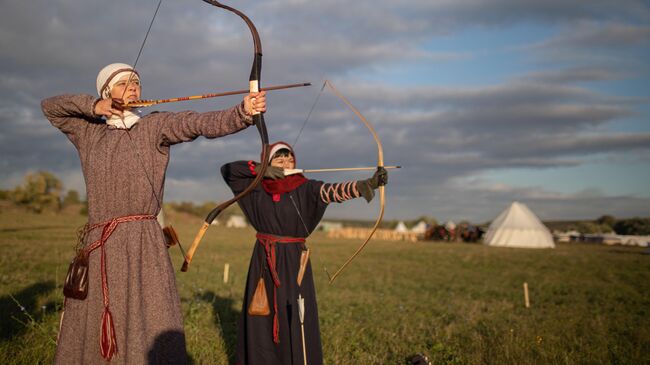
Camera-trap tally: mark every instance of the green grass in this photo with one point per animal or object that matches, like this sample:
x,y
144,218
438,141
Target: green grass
x,y
457,303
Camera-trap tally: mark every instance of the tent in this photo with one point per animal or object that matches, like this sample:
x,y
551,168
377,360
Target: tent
x,y
420,228
517,226
401,227
450,226
236,221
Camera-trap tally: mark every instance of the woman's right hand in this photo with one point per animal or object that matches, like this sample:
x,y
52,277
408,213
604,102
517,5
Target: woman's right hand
x,y
108,108
272,172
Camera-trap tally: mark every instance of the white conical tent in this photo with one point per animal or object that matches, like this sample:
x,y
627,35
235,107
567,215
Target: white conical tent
x,y
517,226
401,227
421,227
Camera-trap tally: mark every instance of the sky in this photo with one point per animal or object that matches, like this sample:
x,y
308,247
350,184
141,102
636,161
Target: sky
x,y
482,103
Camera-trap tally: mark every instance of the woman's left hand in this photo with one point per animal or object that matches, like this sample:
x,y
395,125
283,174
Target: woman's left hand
x,y
255,103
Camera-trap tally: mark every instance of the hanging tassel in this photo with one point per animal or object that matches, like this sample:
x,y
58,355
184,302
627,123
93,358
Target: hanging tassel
x,y
107,341
276,322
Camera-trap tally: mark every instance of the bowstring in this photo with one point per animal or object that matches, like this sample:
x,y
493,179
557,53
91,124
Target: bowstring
x,y
128,82
144,41
308,115
295,142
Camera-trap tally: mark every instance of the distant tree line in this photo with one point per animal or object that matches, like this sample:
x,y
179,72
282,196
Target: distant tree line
x,y
41,191
606,224
203,209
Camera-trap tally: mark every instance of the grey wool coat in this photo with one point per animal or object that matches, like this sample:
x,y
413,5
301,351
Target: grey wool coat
x,y
143,299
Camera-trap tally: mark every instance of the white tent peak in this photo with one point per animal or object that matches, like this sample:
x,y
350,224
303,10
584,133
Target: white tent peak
x,y
421,227
401,227
518,226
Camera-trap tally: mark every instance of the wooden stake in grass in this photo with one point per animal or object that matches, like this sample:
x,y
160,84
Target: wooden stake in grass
x,y
226,270
526,301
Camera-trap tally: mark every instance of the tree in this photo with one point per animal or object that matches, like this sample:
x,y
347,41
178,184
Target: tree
x,y
71,198
591,227
41,191
607,220
633,226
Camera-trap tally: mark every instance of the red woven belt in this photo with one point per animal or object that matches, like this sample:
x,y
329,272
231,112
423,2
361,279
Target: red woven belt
x,y
269,241
107,340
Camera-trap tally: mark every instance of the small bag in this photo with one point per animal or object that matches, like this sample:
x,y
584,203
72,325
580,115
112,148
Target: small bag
x,y
76,281
259,305
171,238
304,259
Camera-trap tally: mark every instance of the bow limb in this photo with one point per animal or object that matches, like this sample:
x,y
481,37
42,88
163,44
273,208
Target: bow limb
x,y
258,120
380,163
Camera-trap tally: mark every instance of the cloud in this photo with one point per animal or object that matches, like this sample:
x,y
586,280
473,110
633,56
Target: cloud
x,y
486,199
575,75
590,35
556,114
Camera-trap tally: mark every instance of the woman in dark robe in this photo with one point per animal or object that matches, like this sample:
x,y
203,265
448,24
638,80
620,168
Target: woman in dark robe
x,y
132,312
284,210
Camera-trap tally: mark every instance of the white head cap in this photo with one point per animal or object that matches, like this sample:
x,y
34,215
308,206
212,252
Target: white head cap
x,y
110,75
279,146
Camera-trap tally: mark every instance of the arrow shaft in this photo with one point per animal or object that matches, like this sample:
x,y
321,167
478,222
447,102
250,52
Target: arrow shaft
x,y
300,171
146,103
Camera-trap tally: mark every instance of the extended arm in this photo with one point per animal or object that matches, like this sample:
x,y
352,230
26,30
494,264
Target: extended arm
x,y
340,192
187,126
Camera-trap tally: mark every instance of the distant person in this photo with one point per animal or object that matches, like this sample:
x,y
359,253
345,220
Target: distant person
x,y
132,312
284,210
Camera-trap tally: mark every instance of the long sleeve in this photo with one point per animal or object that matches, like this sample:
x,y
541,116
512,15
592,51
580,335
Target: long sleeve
x,y
186,126
238,175
339,192
72,114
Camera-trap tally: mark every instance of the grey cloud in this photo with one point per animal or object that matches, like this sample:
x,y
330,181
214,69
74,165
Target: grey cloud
x,y
613,46
574,75
597,36
579,145
440,134
482,202
372,20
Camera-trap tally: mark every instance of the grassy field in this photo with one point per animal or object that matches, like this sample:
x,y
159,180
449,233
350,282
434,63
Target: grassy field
x,y
457,303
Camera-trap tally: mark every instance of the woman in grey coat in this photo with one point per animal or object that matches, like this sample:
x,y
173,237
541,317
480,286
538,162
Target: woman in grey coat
x,y
132,312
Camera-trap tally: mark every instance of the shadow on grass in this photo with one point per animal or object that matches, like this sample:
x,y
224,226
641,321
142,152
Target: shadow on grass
x,y
11,311
225,318
169,348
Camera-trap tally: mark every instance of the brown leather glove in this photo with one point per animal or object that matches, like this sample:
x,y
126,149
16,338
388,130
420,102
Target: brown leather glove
x,y
367,187
271,172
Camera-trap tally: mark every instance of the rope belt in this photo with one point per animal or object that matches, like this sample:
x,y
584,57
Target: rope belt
x,y
269,242
107,340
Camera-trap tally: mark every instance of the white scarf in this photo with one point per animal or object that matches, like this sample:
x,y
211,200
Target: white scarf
x,y
131,117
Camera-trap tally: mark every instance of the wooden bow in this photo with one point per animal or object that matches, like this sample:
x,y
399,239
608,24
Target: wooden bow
x,y
380,163
258,119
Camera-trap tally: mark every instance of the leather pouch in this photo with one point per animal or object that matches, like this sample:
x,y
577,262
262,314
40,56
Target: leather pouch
x,y
171,238
304,259
259,305
76,281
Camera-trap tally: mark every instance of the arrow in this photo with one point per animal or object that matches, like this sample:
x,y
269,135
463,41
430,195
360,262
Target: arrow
x,y
300,171
146,103
301,313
